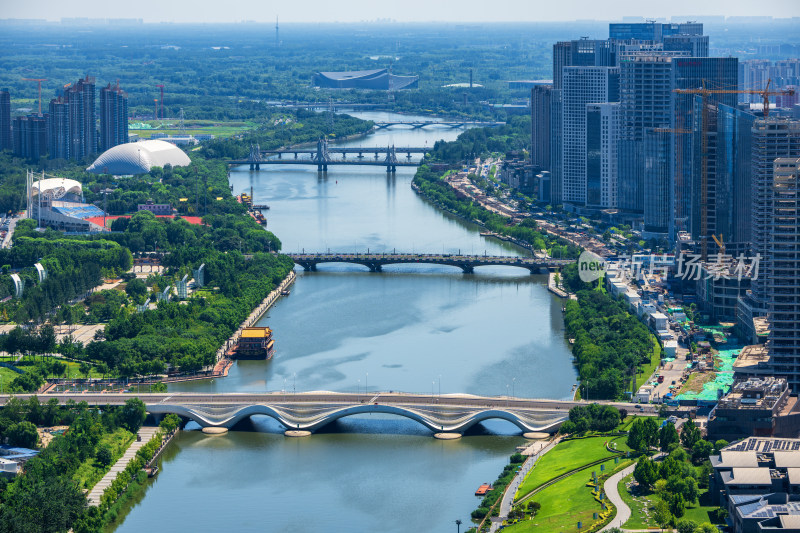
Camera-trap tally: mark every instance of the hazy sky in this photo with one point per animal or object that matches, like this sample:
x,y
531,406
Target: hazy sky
x,y
401,11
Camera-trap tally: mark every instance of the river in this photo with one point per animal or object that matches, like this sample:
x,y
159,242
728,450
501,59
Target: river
x,y
415,328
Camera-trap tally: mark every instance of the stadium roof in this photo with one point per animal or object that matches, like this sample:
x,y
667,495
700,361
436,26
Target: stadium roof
x,y
379,79
56,188
138,158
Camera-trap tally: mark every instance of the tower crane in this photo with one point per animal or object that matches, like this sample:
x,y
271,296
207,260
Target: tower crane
x,y
704,93
39,81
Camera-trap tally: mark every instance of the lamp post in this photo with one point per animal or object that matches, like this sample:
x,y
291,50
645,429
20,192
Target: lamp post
x,y
458,526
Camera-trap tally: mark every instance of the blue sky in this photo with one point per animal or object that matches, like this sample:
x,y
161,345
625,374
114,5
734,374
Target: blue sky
x,y
405,11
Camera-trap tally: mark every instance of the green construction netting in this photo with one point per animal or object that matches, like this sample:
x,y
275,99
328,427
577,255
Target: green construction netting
x,y
722,381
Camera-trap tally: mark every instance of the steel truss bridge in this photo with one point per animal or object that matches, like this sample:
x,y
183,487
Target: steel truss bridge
x,y
322,156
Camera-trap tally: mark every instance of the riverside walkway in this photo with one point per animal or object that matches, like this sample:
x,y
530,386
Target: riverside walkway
x,y
446,415
145,434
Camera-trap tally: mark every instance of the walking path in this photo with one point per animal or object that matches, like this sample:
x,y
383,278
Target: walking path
x,y
146,433
610,487
540,448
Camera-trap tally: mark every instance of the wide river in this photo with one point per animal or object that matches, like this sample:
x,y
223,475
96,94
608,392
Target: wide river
x,y
411,328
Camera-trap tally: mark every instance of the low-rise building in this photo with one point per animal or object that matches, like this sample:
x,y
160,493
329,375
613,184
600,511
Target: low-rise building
x,y
757,480
756,406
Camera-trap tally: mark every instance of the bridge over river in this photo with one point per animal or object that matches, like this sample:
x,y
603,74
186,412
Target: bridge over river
x,y
322,156
376,261
302,413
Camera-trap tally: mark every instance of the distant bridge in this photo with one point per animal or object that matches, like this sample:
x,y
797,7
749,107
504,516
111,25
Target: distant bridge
x,y
321,156
310,411
418,124
376,261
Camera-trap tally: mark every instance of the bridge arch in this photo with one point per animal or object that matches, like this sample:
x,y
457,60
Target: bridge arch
x,y
230,417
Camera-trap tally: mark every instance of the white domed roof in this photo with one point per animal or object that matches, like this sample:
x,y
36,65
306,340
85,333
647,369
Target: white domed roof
x,y
138,158
56,188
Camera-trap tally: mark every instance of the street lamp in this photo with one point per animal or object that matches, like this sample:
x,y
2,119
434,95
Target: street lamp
x,y
458,526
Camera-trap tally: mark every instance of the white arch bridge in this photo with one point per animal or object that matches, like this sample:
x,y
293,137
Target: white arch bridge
x,y
311,411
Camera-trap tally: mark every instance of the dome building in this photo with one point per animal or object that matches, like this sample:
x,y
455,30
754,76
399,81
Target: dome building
x,y
138,158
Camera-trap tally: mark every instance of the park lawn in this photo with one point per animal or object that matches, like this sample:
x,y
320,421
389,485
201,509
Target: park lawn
x,y
566,503
644,373
567,455
699,513
89,473
7,375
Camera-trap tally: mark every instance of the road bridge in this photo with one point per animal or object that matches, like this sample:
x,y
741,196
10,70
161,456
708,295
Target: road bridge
x,y
311,411
376,261
418,124
321,156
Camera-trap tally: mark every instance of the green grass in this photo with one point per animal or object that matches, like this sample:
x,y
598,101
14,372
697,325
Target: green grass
x,y
567,455
699,513
195,127
647,371
566,503
89,473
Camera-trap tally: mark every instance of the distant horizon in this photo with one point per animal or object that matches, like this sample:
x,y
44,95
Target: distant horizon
x,y
411,11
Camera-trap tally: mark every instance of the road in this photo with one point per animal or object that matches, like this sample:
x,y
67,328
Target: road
x,y
610,487
326,397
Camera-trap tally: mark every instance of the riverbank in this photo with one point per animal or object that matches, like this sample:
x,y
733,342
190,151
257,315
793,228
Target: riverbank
x,y
254,317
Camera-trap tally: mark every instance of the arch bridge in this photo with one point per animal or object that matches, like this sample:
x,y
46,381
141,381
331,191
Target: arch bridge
x,y
376,261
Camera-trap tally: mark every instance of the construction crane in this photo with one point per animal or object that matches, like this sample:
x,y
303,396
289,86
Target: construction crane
x,y
162,100
765,94
704,93
39,81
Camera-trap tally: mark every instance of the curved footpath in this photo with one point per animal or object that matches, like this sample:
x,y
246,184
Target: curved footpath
x,y
511,490
610,488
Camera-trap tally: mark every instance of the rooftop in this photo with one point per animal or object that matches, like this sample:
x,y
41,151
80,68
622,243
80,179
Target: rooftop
x,y
749,476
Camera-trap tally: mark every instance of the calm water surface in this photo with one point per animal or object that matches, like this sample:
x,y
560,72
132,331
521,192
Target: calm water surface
x,y
412,328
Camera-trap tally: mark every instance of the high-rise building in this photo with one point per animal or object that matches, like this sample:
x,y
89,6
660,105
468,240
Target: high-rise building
x,y
772,138
755,73
656,182
646,83
693,45
73,129
113,117
556,194
30,137
602,133
6,142
541,97
652,31
696,73
784,270
581,86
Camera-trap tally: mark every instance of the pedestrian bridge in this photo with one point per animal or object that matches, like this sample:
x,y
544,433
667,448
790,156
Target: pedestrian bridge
x,y
310,411
376,261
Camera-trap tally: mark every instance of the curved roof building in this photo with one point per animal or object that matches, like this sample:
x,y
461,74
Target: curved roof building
x,y
380,79
57,188
138,158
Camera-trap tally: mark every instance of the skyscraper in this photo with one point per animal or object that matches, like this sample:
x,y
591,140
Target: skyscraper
x,y
30,137
73,129
784,270
6,142
656,182
113,117
652,31
772,138
581,86
646,83
541,98
602,133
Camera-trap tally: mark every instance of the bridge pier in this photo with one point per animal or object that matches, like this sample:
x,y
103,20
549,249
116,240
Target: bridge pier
x,y
391,168
447,436
296,433
374,267
468,269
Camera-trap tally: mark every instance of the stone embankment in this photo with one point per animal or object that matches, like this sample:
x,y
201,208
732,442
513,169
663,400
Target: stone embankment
x,y
257,313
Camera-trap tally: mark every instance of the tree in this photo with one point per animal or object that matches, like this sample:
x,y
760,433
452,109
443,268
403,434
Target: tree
x,y
47,506
718,445
170,422
136,289
85,368
667,437
690,434
661,513
132,414
23,434
103,456
677,505
533,507
687,526
701,450
646,472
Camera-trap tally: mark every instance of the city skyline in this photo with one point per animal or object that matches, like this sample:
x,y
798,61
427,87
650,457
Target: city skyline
x,y
316,11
